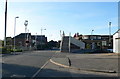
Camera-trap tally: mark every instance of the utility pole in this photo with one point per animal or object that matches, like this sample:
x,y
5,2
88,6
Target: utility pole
x,y
5,23
69,42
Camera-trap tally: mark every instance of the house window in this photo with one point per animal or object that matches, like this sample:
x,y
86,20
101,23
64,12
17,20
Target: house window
x,y
98,37
92,37
85,38
104,43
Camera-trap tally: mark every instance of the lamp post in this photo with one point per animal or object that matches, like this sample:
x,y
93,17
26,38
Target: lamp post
x,y
41,37
42,30
92,44
110,33
61,41
92,32
15,31
36,41
28,35
25,23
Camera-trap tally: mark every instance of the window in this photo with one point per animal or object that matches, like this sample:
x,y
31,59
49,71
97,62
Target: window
x,y
92,37
104,43
99,37
85,37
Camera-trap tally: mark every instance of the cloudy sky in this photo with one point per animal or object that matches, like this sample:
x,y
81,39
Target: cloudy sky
x,y
70,17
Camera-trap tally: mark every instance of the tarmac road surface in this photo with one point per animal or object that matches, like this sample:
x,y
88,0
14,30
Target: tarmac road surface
x,y
25,64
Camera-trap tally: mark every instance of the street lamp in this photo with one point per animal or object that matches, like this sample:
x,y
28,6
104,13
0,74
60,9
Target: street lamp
x,y
15,31
92,44
26,23
42,30
36,41
41,37
92,32
110,33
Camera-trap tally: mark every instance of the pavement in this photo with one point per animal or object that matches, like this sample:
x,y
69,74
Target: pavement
x,y
95,64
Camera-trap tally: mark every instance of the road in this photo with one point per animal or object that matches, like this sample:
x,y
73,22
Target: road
x,y
37,64
25,64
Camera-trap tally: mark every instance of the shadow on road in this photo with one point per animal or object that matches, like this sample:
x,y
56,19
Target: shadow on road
x,y
10,71
13,69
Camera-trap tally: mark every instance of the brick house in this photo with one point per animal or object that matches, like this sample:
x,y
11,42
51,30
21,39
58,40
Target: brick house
x,y
24,40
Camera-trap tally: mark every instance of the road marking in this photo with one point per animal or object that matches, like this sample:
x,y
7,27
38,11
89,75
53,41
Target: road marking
x,y
40,69
18,76
43,66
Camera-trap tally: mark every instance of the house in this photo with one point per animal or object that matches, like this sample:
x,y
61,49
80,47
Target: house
x,y
116,42
38,41
28,41
96,41
22,39
8,41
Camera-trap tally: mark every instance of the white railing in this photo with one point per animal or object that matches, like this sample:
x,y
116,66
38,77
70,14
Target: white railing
x,y
77,42
66,43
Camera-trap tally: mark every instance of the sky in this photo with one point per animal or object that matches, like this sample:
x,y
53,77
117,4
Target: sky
x,y
70,17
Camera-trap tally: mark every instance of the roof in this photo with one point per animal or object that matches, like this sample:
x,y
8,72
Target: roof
x,y
97,35
116,32
37,36
22,35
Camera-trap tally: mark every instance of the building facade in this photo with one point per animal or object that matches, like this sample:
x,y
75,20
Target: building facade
x,y
38,41
9,41
27,41
22,41
116,42
96,41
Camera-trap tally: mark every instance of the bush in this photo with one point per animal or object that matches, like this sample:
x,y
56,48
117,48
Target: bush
x,y
16,50
5,51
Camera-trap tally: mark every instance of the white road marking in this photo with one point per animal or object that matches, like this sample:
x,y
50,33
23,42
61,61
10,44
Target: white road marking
x,y
40,69
42,66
